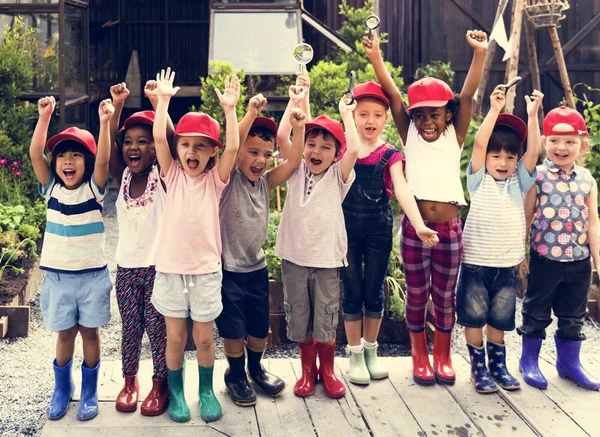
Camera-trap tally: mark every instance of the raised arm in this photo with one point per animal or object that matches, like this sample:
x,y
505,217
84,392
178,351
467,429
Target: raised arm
x,y
534,139
255,106
303,81
41,168
297,95
119,94
150,90
478,40
105,112
497,102
164,90
286,169
594,227
401,118
352,140
228,100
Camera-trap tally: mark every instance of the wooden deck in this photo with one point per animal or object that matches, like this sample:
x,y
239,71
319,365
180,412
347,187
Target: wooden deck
x,y
390,407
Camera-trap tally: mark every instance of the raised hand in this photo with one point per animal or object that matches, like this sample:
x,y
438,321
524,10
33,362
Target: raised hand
x,y
46,106
151,89
231,93
257,104
119,93
164,83
297,118
534,102
344,108
477,39
371,46
296,93
497,99
302,80
105,110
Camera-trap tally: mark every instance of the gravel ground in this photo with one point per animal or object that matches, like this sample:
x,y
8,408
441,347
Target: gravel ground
x,y
26,379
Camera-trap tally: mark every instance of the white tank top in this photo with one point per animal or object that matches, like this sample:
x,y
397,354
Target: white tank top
x,y
433,169
139,222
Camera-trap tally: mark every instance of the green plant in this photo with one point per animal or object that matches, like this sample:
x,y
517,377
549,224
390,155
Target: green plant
x,y
394,281
10,255
273,263
438,69
11,217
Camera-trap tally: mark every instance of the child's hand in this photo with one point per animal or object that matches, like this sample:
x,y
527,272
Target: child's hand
x,y
119,93
231,94
427,236
105,110
151,90
523,269
371,46
164,83
303,81
296,94
497,99
533,103
256,104
344,108
46,106
297,118
478,40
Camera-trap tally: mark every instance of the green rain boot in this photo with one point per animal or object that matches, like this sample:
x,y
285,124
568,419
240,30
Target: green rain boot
x,y
210,409
374,364
358,372
178,407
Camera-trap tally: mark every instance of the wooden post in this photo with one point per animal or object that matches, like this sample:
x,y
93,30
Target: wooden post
x,y
512,68
533,65
487,66
562,67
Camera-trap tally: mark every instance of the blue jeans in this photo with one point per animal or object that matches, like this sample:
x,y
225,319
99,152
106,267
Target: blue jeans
x,y
487,296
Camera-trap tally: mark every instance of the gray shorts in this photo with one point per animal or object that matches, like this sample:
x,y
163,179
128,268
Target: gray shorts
x,y
202,302
311,298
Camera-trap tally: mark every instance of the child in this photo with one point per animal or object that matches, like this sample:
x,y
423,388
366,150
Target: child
x,y
369,221
312,243
244,217
433,129
498,179
76,292
563,207
140,204
188,263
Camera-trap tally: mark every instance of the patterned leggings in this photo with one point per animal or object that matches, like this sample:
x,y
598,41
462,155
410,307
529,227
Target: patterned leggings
x,y
134,290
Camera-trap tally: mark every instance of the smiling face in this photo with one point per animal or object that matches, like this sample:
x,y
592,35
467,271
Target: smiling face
x,y
72,164
138,148
320,150
563,150
431,122
255,155
501,164
195,154
370,116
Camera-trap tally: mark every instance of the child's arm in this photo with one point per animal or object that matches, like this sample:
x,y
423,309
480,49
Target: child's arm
x,y
401,118
286,169
150,90
477,39
297,97
594,227
164,90
352,140
409,206
255,106
41,168
529,206
119,94
303,81
497,102
105,112
228,100
534,140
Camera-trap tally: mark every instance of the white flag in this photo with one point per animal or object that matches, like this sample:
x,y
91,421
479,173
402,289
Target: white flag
x,y
499,35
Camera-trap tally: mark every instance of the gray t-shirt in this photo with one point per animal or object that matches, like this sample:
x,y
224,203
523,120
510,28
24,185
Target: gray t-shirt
x,y
244,218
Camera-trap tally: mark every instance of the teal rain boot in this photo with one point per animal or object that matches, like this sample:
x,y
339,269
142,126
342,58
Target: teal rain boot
x,y
210,409
178,408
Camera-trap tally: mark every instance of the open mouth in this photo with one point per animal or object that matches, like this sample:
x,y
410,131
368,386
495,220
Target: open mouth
x,y
256,170
428,134
193,163
69,174
561,155
134,159
370,130
316,162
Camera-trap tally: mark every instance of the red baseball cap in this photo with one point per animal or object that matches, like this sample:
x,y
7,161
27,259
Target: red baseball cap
x,y
429,92
564,121
515,123
141,117
80,136
370,89
199,124
334,127
267,123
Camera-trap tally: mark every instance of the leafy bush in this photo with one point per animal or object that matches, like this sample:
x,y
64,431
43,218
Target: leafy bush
x,y
438,69
395,283
273,263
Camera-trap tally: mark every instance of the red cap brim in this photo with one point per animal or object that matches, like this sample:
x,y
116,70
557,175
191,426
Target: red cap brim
x,y
58,138
428,104
198,134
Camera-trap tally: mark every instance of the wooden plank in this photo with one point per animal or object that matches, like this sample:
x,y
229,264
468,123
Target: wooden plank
x,y
382,406
433,407
19,320
172,430
33,284
285,415
488,411
332,417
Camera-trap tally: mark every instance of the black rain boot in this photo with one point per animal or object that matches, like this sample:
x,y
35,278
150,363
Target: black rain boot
x,y
236,381
269,383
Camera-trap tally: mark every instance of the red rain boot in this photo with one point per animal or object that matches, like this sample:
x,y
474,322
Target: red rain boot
x,y
127,398
422,371
442,362
333,386
305,386
158,399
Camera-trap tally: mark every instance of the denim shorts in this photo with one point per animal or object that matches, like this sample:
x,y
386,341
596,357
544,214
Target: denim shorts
x,y
68,299
487,295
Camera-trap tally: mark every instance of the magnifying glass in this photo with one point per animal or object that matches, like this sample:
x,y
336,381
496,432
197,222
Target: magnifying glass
x,y
515,80
372,23
303,54
349,95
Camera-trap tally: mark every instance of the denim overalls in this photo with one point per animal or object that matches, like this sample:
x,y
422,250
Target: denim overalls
x,y
369,221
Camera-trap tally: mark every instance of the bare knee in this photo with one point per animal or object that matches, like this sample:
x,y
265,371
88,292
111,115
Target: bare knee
x,y
177,339
89,334
68,335
203,344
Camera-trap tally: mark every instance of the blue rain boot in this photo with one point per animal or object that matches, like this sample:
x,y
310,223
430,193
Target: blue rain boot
x,y
482,380
88,404
63,391
528,364
569,366
497,365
